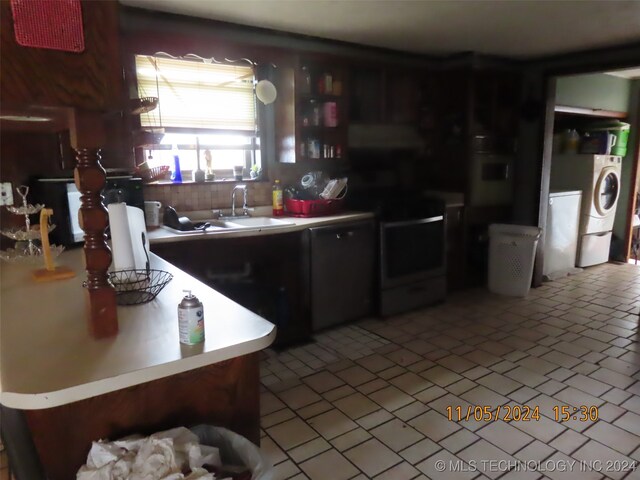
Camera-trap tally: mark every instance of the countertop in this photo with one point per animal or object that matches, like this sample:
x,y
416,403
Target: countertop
x,y
160,235
47,357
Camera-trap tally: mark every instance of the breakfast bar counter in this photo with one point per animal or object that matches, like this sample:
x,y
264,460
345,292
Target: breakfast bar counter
x,y
72,389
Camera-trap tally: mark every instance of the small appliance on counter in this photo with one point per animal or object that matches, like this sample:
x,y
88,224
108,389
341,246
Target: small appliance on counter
x,y
61,195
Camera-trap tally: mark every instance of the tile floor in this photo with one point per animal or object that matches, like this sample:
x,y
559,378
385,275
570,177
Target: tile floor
x,y
373,399
370,400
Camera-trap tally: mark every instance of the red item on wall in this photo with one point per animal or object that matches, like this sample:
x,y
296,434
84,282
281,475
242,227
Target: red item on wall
x,y
53,24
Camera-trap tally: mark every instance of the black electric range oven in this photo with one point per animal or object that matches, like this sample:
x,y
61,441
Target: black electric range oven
x,y
411,248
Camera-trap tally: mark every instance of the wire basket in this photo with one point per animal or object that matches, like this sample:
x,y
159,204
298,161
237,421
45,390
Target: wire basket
x,y
134,287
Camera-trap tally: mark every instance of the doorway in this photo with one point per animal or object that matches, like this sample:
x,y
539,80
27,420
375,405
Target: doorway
x,y
592,133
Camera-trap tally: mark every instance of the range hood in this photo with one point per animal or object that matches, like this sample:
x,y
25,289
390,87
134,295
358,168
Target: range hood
x,y
384,137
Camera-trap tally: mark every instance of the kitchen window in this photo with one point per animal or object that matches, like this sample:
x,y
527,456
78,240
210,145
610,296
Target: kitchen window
x,y
200,102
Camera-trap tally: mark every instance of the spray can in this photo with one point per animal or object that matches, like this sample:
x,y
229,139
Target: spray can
x,y
191,319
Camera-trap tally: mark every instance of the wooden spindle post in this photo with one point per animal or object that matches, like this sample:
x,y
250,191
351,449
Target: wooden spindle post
x,y
86,129
90,178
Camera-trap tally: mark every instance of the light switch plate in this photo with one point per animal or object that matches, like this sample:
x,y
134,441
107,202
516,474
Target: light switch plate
x,y
6,193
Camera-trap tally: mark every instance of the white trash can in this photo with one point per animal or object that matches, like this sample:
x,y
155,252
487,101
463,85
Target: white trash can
x,y
512,251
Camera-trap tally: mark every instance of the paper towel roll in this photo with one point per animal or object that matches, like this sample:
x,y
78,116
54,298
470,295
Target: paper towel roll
x,y
127,226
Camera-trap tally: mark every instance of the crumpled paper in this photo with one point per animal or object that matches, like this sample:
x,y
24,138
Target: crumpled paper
x,y
161,456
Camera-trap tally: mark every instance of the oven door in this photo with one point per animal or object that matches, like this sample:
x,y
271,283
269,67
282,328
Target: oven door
x,y
411,250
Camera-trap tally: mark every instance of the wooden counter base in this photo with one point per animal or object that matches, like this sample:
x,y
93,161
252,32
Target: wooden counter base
x,y
223,394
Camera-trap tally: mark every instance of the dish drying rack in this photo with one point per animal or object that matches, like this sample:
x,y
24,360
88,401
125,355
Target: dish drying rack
x,y
28,247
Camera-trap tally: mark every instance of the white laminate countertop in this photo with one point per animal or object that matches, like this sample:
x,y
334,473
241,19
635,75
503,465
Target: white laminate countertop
x,y
47,357
160,235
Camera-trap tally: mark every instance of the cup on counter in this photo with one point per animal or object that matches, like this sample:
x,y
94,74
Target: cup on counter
x,y
237,172
152,213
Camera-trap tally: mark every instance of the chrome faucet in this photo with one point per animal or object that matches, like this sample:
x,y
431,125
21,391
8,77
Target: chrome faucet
x,y
245,208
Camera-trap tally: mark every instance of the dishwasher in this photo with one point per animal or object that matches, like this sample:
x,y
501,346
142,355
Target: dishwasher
x,y
341,272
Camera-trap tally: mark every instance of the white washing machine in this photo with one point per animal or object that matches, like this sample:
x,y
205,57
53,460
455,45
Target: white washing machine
x,y
598,176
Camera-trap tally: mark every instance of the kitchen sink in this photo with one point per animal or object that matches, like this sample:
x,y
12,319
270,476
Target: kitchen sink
x,y
254,222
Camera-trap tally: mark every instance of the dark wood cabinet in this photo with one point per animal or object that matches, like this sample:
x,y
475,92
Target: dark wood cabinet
x,y
321,119
63,87
264,274
90,80
387,95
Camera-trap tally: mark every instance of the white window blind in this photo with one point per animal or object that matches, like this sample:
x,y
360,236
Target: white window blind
x,y
194,94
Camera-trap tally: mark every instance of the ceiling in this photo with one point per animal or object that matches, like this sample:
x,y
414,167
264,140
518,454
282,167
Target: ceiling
x,y
512,28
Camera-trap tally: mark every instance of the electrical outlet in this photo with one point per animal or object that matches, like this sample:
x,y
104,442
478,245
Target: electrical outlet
x,y
6,193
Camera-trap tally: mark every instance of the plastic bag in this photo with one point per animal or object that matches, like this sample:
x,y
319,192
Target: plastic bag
x,y
235,449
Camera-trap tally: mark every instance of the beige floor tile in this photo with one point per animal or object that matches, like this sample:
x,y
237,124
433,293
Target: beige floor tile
x,y
569,441
419,451
410,411
614,437
538,365
323,381
300,476
276,417
536,451
396,434
544,429
314,409
309,449
499,383
434,425
350,439
372,386
441,376
375,363
589,385
482,396
610,412
404,357
461,386
285,470
504,436
410,383
446,466
269,403
482,452
616,396
356,405
402,471
630,422
430,394
340,392
593,450
291,433
332,424
616,379
299,397
372,457
553,464
330,464
271,449
456,363
391,398
577,398
526,377
459,440
356,375
374,419
633,404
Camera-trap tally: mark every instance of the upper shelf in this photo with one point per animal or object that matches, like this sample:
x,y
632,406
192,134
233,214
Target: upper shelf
x,y
590,112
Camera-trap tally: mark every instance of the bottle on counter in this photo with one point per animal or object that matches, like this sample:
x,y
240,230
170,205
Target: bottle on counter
x,y
176,174
191,319
278,204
